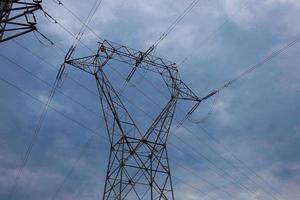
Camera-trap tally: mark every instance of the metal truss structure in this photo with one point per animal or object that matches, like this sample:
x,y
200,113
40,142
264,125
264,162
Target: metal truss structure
x,y
138,166
17,18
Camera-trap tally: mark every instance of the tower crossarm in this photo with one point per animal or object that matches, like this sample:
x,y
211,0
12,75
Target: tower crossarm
x,y
17,18
138,161
137,60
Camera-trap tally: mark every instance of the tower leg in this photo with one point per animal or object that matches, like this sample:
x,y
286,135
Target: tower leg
x,y
138,165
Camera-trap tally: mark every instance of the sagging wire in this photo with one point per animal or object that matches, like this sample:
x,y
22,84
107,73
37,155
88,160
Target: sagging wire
x,y
43,36
51,43
209,113
240,76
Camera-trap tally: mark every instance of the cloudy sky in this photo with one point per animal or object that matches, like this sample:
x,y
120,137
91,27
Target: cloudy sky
x,y
246,148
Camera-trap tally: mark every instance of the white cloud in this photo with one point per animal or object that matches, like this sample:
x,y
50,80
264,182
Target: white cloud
x,y
55,104
140,23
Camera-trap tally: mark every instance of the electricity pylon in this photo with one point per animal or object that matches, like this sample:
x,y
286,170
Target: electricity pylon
x,y
138,166
17,18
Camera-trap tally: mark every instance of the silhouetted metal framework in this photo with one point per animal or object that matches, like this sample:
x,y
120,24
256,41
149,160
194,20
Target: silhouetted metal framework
x,y
17,18
138,165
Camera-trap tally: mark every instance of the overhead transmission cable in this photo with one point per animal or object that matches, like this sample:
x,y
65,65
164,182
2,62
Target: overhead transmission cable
x,y
36,30
78,18
267,192
29,150
245,73
53,66
33,140
209,135
159,40
89,18
83,106
59,112
73,100
258,64
275,53
192,172
215,32
217,169
50,107
255,66
174,24
44,113
235,157
69,118
73,166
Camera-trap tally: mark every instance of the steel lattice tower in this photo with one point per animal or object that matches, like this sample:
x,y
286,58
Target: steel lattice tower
x,y
138,165
17,18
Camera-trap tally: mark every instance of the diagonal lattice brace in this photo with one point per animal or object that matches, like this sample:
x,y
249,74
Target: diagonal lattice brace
x,y
17,18
130,173
138,166
166,69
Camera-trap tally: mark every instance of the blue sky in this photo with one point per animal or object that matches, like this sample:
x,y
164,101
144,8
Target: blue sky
x,y
257,120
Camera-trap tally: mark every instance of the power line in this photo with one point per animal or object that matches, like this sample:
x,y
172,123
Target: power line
x,y
69,118
172,26
84,26
77,102
49,85
234,180
78,18
85,147
47,105
92,51
204,180
92,113
183,126
45,109
209,146
175,23
235,157
244,74
65,116
259,64
53,67
214,33
190,185
127,141
248,71
87,144
43,36
84,107
272,194
33,140
51,107
59,90
53,20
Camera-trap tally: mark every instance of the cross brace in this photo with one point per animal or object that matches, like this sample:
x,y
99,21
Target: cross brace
x,y
17,18
138,166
